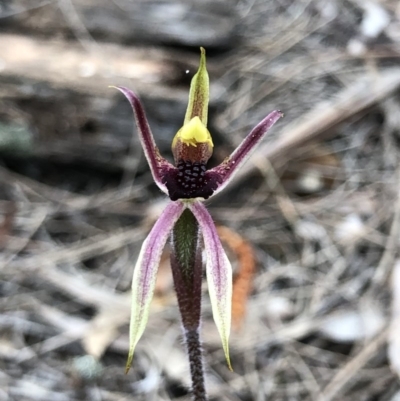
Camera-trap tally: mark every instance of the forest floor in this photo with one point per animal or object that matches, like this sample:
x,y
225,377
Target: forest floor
x,y
311,224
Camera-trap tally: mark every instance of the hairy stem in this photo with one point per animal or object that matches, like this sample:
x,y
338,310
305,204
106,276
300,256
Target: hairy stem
x,y
193,346
186,266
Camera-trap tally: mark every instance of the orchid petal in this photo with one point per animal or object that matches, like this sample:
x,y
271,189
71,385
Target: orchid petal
x,y
219,275
157,163
144,275
229,167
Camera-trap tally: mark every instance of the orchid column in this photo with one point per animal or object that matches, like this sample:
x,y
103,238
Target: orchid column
x,y
189,225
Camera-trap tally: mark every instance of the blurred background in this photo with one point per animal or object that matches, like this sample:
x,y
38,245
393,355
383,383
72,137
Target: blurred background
x,y
312,223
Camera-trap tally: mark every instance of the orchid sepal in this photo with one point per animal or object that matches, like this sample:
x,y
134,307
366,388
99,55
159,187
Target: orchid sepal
x,y
159,166
144,275
219,275
199,93
232,164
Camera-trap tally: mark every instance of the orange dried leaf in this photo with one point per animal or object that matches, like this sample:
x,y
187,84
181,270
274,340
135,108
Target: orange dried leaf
x,y
243,279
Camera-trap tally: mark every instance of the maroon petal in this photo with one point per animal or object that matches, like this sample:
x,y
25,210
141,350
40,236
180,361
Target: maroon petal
x,y
219,274
144,274
229,167
158,165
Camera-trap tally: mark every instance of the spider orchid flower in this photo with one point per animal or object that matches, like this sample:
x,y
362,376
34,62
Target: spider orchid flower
x,y
186,220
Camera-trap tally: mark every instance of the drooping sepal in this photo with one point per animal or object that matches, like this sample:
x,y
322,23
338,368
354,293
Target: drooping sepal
x,y
158,165
219,275
144,275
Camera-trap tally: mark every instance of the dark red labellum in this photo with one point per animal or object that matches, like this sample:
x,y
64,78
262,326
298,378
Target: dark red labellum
x,y
190,180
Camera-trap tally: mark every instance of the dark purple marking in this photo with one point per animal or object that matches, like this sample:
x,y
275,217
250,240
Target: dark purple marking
x,y
190,180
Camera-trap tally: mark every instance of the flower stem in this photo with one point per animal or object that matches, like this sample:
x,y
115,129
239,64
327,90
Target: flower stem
x,y
193,346
186,266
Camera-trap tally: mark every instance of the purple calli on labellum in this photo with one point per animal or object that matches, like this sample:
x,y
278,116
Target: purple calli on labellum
x,y
187,184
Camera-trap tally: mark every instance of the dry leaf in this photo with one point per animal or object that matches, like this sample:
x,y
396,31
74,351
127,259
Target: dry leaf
x,y
243,279
103,329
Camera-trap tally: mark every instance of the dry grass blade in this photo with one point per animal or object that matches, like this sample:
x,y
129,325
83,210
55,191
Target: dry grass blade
x,y
94,246
394,339
365,92
350,369
386,264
